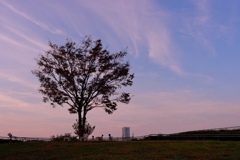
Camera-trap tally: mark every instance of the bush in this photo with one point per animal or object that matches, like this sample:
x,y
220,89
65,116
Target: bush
x,y
61,137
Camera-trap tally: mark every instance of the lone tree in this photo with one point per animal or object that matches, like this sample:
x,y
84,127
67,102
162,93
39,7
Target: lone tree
x,y
83,76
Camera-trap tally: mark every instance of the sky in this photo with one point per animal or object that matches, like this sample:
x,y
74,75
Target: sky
x,y
184,54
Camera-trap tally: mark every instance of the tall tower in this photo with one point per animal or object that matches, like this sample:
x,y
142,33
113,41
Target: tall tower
x,y
126,133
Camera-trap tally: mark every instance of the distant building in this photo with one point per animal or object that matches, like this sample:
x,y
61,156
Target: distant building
x,y
126,133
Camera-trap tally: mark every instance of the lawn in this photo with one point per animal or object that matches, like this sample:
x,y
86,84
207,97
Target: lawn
x,y
139,150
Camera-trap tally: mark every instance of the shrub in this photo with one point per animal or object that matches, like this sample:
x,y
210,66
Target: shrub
x,y
62,136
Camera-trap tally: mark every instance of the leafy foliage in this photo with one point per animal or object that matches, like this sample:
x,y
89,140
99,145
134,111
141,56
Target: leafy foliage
x,y
88,130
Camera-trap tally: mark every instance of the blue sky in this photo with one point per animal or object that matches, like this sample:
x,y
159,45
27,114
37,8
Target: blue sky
x,y
184,53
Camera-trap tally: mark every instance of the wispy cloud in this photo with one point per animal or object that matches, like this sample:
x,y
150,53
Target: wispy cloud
x,y
14,78
162,53
141,24
26,37
13,42
205,28
203,8
30,18
203,22
11,101
137,25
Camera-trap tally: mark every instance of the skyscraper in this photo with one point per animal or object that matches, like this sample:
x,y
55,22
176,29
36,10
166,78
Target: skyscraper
x,y
126,133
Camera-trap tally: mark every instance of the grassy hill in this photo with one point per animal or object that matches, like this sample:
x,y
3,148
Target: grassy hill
x,y
234,131
224,135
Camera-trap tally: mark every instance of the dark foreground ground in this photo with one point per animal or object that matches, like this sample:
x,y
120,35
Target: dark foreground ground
x,y
139,150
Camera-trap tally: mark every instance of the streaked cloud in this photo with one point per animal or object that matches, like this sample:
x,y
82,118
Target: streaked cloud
x,y
18,80
141,24
7,39
31,41
33,20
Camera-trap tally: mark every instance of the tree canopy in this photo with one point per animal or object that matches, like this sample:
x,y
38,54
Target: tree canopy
x,y
84,76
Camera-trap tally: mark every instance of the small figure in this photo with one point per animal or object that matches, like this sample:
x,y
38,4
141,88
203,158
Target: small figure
x,y
102,137
10,136
110,137
92,138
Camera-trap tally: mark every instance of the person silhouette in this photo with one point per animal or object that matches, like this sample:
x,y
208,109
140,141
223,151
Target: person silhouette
x,y
110,137
10,136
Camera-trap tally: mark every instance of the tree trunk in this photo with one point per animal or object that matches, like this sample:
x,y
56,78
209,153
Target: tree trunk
x,y
84,123
80,130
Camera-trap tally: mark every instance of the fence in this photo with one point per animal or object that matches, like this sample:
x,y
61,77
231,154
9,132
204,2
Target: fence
x,y
26,138
226,128
222,137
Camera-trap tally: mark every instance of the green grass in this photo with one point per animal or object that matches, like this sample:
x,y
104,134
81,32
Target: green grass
x,y
139,150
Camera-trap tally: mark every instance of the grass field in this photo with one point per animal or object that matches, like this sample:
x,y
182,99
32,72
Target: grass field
x,y
139,150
